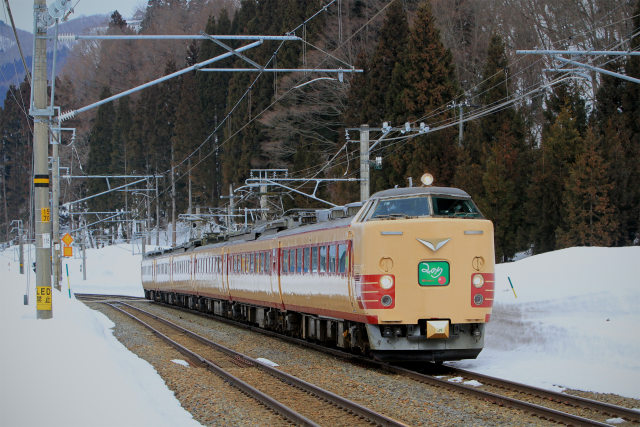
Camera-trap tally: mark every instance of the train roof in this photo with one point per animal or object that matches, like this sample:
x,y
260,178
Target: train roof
x,y
430,191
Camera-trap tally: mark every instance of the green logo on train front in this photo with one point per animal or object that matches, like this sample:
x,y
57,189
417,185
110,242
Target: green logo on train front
x,y
433,273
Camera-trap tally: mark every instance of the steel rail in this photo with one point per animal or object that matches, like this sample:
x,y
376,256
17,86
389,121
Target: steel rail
x,y
338,400
263,398
495,398
567,399
541,411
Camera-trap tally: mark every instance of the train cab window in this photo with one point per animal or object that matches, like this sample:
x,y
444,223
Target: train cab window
x,y
299,260
314,259
450,207
332,258
306,260
406,207
323,259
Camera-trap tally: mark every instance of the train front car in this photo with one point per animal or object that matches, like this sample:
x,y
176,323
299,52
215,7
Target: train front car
x,y
424,268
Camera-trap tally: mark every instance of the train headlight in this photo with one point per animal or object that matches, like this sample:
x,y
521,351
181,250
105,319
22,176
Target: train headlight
x,y
477,280
478,299
386,282
426,179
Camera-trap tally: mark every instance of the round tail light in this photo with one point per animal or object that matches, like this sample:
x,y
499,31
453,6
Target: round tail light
x,y
386,300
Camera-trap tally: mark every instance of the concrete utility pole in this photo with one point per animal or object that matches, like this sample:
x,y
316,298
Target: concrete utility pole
x,y
41,116
20,240
364,163
55,201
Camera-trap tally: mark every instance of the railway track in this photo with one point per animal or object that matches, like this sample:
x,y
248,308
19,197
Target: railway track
x,y
588,406
107,298
294,399
545,404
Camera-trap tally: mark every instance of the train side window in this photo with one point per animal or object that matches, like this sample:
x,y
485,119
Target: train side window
x,y
323,259
292,261
252,263
267,262
314,259
342,258
285,261
299,263
306,260
332,258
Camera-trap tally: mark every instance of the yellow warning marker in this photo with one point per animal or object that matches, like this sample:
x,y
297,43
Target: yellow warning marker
x,y
45,214
67,239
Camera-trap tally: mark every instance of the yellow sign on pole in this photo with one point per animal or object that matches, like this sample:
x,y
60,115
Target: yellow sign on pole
x,y
45,214
67,251
67,239
43,298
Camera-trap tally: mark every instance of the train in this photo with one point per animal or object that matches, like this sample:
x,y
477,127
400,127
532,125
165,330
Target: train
x,y
406,276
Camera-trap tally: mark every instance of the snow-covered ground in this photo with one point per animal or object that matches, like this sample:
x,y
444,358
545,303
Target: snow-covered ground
x,y
573,325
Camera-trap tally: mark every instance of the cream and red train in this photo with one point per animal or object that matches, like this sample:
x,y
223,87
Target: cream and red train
x,y
409,275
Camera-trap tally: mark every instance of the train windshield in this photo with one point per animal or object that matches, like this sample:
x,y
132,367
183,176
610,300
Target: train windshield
x,y
421,206
450,207
405,207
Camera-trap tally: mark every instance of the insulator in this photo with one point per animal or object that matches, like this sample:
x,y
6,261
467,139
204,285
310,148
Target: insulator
x,y
66,116
66,37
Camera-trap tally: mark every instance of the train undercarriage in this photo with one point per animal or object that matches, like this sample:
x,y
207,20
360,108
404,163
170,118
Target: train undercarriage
x,y
399,343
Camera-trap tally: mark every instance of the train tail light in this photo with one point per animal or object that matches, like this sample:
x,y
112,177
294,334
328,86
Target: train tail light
x,y
386,300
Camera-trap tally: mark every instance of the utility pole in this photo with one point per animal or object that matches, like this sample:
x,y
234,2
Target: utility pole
x,y
55,214
364,162
157,215
365,149
460,106
21,245
41,116
173,201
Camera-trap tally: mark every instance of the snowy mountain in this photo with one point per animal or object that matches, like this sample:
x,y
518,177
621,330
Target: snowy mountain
x,y
11,69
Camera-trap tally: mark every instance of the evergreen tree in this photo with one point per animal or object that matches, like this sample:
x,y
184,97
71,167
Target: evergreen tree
x,y
616,115
560,146
189,133
119,156
589,217
501,202
372,94
15,157
100,150
117,22
428,76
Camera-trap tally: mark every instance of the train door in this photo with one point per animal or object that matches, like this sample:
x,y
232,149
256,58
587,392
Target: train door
x,y
350,281
226,268
276,285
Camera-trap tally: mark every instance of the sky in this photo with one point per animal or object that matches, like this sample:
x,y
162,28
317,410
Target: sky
x,y
22,10
570,321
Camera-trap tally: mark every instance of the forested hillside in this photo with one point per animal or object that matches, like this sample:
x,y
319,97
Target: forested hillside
x,y
551,157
